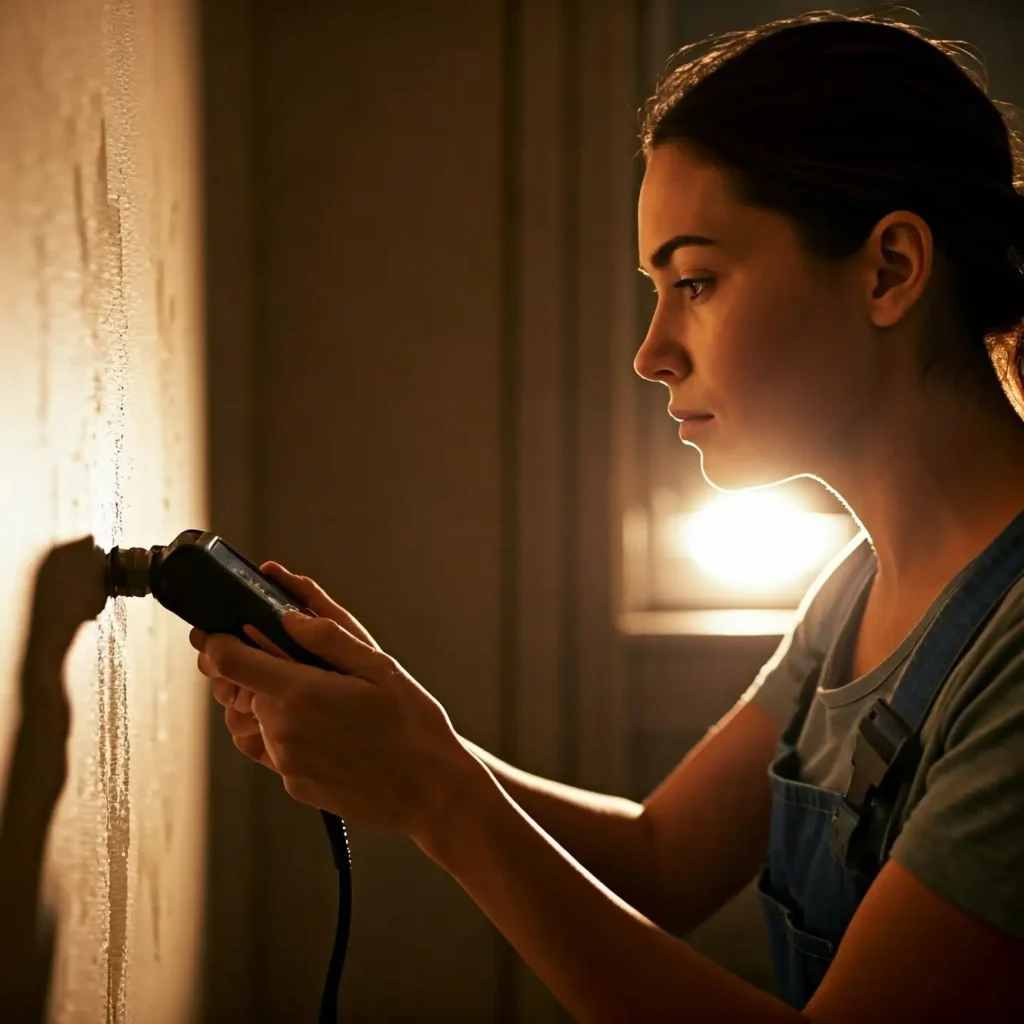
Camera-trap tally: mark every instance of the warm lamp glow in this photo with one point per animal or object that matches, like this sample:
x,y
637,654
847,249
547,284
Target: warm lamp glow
x,y
759,540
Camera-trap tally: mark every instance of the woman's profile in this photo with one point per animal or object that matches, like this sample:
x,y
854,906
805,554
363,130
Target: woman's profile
x,y
832,217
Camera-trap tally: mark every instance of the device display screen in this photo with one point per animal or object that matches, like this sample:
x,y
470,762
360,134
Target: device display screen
x,y
275,596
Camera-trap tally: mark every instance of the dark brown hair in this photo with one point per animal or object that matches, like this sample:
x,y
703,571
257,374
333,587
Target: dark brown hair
x,y
835,120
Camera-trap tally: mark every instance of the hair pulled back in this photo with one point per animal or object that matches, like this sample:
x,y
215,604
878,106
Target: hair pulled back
x,y
835,120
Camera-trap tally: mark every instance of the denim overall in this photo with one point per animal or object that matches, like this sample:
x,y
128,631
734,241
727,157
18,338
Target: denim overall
x,y
826,847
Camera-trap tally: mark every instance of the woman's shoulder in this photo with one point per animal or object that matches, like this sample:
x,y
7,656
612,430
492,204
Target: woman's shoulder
x,y
988,679
964,817
836,587
818,619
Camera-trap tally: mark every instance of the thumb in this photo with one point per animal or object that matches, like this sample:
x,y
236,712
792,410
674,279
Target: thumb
x,y
316,599
336,645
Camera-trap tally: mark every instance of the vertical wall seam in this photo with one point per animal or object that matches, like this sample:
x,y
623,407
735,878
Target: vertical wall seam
x,y
569,709
258,338
646,71
258,328
510,384
510,398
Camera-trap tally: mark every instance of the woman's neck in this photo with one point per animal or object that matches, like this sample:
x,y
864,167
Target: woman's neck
x,y
935,481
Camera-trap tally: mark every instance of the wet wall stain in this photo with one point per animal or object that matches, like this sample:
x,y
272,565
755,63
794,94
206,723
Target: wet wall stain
x,y
43,305
101,250
114,761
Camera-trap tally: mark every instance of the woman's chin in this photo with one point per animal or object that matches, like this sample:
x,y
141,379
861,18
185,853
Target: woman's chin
x,y
737,474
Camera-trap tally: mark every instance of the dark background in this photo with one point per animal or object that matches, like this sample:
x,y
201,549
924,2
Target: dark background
x,y
422,313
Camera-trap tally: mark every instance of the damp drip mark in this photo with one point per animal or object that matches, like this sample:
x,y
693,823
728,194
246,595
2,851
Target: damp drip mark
x,y
108,208
80,221
151,878
172,228
161,303
166,316
45,332
154,899
55,498
43,306
87,299
115,763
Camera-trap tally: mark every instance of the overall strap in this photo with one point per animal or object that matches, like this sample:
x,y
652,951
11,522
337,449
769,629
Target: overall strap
x,y
889,733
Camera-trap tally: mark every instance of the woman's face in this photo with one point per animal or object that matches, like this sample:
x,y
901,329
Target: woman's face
x,y
772,342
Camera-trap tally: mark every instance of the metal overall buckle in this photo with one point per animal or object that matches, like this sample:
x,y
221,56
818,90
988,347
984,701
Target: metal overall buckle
x,y
881,736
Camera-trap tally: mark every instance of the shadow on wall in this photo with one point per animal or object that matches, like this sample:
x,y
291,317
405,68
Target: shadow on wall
x,y
69,590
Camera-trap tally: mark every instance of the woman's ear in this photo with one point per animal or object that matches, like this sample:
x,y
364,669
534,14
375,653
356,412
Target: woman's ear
x,y
900,257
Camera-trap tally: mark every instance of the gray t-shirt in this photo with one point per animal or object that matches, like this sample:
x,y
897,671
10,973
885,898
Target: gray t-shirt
x,y
961,825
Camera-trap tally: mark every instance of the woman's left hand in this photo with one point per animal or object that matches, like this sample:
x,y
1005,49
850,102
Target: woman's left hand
x,y
366,742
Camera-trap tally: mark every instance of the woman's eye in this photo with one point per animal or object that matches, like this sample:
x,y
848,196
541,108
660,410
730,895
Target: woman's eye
x,y
689,282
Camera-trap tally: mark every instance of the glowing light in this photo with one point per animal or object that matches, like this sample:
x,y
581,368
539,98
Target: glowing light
x,y
758,540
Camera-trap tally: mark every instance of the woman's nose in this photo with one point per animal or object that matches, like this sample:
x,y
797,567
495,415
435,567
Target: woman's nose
x,y
660,357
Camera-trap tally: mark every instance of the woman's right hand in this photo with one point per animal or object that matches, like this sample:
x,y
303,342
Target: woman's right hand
x,y
237,703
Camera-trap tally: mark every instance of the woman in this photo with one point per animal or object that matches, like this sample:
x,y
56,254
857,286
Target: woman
x,y
830,220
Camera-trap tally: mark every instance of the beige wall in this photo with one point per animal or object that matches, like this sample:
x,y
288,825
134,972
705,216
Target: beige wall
x,y
102,427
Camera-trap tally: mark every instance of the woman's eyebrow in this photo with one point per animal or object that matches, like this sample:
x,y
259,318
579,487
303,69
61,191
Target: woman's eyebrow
x,y
661,255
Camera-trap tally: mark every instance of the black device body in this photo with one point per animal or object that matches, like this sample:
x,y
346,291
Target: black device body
x,y
206,582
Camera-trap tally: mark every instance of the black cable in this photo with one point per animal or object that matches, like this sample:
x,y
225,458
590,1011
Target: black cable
x,y
343,862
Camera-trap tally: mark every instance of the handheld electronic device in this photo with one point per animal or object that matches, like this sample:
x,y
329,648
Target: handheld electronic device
x,y
206,582
210,585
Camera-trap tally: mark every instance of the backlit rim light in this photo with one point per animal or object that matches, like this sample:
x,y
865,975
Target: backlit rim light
x,y
757,540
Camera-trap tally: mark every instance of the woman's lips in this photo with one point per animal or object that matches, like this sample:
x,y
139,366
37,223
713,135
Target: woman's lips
x,y
691,426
